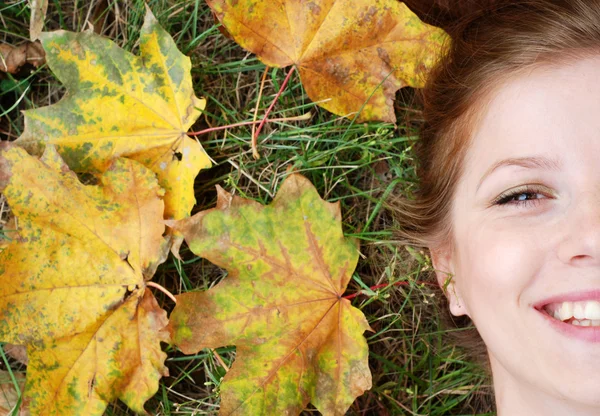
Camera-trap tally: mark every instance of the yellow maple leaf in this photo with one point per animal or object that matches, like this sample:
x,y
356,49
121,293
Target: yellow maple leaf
x,y
298,340
350,53
72,286
119,104
80,374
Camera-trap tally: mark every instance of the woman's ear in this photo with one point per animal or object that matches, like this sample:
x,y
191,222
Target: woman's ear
x,y
443,265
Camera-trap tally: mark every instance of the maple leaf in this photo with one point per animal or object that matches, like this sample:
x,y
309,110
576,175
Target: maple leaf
x,y
72,285
349,53
119,104
119,357
297,339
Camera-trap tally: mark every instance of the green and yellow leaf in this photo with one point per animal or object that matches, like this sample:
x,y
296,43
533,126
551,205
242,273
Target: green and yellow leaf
x,y
350,53
297,339
119,104
72,286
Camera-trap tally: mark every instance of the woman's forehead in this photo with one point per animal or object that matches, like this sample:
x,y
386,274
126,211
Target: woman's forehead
x,y
548,109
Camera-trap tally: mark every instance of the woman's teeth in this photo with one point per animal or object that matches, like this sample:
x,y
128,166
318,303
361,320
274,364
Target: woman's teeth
x,y
586,322
584,313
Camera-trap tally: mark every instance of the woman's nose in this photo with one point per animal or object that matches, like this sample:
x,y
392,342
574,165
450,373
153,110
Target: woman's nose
x,y
581,231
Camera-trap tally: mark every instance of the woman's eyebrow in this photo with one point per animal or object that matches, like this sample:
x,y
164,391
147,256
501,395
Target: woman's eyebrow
x,y
531,162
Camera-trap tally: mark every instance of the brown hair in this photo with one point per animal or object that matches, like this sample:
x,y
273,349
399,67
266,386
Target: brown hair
x,y
487,50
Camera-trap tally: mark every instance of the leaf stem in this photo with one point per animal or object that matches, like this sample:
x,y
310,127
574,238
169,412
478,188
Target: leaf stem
x,y
220,360
255,153
353,295
247,123
162,289
281,89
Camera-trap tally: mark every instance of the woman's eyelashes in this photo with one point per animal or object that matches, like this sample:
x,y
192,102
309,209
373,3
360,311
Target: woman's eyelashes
x,y
523,196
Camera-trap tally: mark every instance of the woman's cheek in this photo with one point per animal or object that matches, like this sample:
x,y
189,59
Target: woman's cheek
x,y
500,261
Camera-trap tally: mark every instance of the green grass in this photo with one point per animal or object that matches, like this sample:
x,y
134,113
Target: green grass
x,y
416,371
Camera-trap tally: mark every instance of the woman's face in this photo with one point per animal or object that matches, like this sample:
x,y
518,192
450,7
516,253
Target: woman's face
x,y
526,228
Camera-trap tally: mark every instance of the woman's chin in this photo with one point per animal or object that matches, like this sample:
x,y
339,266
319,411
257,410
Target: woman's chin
x,y
583,394
571,355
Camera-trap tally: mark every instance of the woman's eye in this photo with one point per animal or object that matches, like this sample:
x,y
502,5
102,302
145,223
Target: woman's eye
x,y
520,197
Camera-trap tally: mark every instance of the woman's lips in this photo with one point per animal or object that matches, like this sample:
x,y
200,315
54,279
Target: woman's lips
x,y
570,297
583,333
565,313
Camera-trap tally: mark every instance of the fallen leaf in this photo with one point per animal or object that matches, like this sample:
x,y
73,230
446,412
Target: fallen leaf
x,y
9,396
349,53
119,104
38,15
17,352
12,58
297,339
72,288
119,357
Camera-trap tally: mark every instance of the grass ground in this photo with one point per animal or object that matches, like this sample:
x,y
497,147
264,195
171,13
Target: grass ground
x,y
415,370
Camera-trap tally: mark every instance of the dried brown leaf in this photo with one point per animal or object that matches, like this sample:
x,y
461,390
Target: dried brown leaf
x,y
9,396
17,352
38,15
12,58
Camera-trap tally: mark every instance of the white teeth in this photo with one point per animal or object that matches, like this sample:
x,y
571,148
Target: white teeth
x,y
564,311
579,310
585,322
592,310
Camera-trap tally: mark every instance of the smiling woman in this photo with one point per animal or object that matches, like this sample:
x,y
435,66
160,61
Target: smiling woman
x,y
508,203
